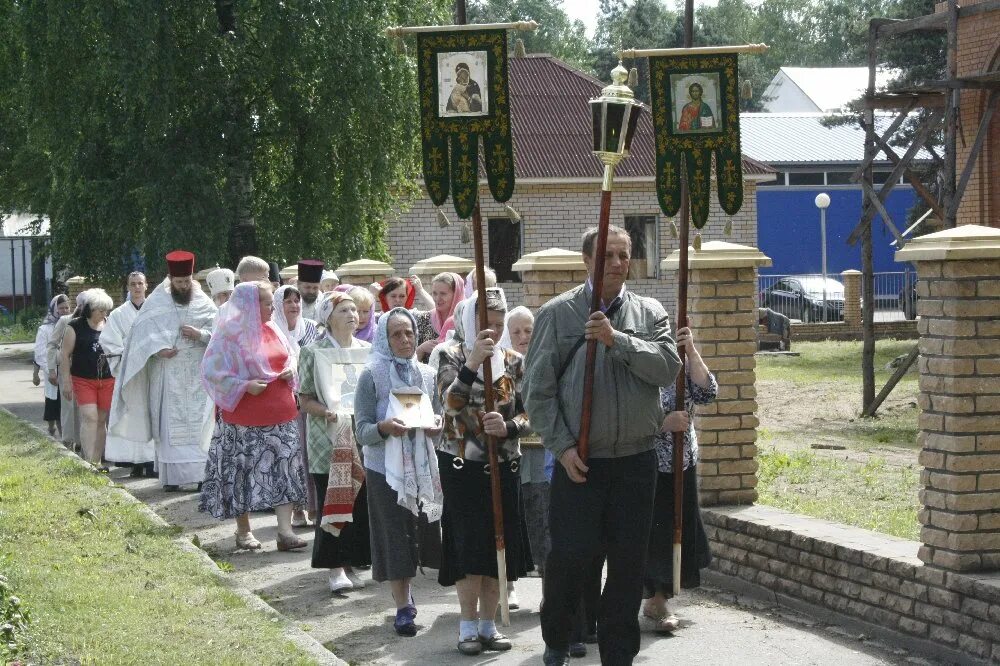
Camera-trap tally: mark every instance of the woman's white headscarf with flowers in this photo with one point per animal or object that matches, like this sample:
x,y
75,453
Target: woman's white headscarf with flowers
x,y
292,337
410,461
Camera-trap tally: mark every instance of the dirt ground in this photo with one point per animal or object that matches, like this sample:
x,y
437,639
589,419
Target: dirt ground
x,y
824,417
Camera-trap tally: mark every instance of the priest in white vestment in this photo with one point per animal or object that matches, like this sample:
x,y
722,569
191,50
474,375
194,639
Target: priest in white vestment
x,y
310,275
158,392
139,454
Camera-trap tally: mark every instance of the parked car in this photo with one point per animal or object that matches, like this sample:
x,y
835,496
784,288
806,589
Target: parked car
x,y
801,297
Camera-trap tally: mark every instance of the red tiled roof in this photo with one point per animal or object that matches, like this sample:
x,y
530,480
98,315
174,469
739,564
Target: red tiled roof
x,y
552,127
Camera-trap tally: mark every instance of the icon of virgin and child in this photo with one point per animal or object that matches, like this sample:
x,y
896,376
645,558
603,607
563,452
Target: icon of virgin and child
x,y
466,96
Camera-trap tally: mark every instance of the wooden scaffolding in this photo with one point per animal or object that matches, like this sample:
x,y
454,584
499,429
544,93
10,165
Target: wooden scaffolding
x,y
939,102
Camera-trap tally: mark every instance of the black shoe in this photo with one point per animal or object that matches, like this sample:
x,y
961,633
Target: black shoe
x,y
170,488
577,650
553,657
403,624
495,643
136,472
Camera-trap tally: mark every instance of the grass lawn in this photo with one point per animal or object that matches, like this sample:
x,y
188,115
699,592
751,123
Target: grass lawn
x,y
873,494
105,585
818,457
832,360
10,334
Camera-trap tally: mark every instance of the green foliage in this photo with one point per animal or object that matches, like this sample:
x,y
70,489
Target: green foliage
x,y
14,621
93,569
872,494
556,35
137,128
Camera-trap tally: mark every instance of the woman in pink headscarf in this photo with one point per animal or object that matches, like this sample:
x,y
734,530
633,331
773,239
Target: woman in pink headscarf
x,y
255,459
447,291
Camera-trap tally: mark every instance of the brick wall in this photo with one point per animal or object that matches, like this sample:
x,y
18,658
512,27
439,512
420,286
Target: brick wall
x,y
979,53
839,330
860,574
555,215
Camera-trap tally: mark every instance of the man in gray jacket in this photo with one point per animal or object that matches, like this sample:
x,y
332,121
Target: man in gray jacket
x,y
601,508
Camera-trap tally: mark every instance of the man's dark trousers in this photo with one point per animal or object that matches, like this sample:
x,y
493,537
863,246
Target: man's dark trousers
x,y
608,516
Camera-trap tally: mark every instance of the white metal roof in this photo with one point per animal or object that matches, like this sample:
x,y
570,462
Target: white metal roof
x,y
20,224
825,88
801,138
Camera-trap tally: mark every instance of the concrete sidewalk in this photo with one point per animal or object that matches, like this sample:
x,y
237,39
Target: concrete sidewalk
x,y
717,628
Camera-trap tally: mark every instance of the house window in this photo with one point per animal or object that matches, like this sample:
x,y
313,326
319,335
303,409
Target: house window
x,y
505,248
839,177
642,230
805,178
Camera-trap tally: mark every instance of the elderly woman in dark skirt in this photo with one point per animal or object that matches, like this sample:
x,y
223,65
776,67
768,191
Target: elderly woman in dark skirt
x,y
469,552
701,389
400,467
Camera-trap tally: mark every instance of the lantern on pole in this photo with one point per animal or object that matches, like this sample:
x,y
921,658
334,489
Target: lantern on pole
x,y
615,115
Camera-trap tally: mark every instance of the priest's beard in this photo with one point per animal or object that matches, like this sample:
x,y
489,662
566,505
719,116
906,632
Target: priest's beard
x,y
180,297
309,299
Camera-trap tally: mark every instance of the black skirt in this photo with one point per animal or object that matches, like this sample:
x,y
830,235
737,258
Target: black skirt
x,y
468,546
53,409
695,554
352,548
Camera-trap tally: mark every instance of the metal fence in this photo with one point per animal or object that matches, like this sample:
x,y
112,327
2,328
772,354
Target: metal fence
x,y
801,297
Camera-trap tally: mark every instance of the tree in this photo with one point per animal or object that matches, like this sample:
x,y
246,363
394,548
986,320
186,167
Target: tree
x,y
139,127
640,24
557,34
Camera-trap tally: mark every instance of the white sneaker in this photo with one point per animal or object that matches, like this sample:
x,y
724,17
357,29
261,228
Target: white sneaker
x,y
356,580
339,581
512,602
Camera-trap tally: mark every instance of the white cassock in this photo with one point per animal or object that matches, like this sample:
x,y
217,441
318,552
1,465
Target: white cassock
x,y
163,398
113,338
309,311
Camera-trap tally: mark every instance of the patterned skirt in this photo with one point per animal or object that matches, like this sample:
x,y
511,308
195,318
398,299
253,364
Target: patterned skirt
x,y
252,468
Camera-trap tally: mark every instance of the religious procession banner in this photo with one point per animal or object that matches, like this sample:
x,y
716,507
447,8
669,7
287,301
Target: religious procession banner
x,y
695,102
464,96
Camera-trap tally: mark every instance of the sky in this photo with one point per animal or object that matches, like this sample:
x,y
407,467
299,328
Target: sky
x,y
587,11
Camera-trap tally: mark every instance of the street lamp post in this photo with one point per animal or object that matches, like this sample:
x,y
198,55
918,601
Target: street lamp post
x,y
823,202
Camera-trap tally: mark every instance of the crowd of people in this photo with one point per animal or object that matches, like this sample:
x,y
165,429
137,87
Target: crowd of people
x,y
231,394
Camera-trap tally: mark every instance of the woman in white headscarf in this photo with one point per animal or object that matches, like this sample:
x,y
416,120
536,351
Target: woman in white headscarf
x,y
341,540
400,469
58,307
468,541
298,332
517,329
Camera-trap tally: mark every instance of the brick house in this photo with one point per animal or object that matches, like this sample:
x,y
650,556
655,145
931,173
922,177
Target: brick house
x,y
558,189
979,57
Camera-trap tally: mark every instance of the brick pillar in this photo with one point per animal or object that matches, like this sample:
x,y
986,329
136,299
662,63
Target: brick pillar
x,y
363,272
76,284
426,269
548,273
722,312
958,304
852,298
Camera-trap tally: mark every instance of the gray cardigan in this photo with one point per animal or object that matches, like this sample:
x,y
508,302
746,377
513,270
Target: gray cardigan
x,y
369,410
626,411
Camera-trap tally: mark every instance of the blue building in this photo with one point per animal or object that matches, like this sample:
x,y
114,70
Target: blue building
x,y
811,158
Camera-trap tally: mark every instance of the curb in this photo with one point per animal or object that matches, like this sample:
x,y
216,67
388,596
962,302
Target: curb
x,y
293,633
915,646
